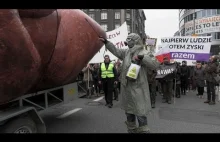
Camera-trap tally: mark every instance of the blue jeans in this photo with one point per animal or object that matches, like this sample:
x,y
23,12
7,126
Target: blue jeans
x,y
142,120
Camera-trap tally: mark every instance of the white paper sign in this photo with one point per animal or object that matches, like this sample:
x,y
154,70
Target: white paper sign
x,y
133,71
117,37
190,49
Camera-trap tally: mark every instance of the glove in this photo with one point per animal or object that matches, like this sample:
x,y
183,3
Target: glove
x,y
103,40
140,57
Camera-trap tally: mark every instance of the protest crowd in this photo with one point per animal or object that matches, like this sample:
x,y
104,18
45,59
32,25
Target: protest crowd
x,y
136,76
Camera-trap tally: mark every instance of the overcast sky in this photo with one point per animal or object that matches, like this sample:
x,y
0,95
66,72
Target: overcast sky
x,y
161,23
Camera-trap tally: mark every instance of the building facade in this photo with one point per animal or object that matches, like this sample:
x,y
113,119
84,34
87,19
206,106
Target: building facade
x,y
201,22
110,19
177,33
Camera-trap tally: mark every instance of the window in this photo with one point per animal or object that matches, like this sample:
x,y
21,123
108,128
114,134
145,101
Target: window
x,y
128,16
214,11
104,15
218,11
117,26
104,27
190,17
117,15
204,13
217,35
213,35
129,28
92,15
209,12
199,14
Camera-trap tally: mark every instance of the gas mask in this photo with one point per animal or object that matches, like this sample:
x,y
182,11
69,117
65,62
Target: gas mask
x,y
131,40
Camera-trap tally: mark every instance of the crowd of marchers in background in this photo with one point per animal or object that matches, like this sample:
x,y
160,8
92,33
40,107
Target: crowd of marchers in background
x,y
198,78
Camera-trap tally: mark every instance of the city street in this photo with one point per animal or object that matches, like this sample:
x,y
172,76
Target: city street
x,y
188,115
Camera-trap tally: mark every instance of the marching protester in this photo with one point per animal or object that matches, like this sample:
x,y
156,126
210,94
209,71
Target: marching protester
x,y
177,81
117,86
95,74
185,74
199,76
151,74
88,79
108,77
210,73
167,82
135,98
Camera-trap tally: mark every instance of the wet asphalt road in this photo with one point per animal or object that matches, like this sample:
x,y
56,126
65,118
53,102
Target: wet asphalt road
x,y
187,115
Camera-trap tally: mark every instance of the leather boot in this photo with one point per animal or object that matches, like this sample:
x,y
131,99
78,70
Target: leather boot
x,y
131,127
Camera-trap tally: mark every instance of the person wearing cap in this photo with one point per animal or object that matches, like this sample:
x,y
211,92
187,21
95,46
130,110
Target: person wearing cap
x,y
108,77
199,76
210,73
185,74
134,96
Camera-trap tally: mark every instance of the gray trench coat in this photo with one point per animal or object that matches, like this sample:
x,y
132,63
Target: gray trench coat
x,y
135,96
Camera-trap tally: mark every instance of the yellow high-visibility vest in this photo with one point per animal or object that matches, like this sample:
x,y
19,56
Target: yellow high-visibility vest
x,y
107,73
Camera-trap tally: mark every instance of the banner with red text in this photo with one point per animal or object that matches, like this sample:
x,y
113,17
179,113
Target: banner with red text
x,y
117,37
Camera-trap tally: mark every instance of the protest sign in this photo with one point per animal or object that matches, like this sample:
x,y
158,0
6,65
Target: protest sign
x,y
165,70
151,41
117,37
190,49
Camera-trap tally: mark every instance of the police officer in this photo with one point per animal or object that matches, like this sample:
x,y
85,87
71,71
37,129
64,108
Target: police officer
x,y
108,76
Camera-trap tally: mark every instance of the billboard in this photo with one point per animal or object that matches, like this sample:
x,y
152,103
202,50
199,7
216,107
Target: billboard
x,y
203,25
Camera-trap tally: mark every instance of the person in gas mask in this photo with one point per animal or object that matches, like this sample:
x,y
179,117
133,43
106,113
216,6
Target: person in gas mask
x,y
167,83
135,96
108,77
210,73
185,73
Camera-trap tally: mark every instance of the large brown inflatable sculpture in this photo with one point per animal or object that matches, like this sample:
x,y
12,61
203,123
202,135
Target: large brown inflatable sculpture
x,y
43,49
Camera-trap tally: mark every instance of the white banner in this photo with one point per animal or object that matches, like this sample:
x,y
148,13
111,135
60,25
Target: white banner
x,y
203,25
190,49
117,37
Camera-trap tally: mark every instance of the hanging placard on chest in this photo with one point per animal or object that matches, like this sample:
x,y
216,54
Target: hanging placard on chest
x,y
133,71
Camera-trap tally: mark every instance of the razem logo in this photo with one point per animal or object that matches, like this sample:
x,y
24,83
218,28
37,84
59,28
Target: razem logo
x,y
179,55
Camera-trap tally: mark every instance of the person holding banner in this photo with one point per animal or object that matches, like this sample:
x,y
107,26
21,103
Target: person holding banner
x,y
135,96
185,74
166,75
108,77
